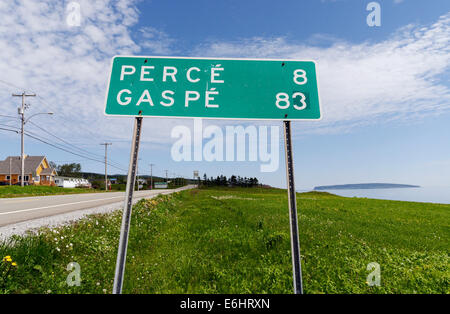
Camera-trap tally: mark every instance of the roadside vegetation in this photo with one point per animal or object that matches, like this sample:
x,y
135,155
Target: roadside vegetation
x,y
7,191
236,240
39,190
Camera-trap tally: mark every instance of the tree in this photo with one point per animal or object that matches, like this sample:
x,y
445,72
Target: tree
x,y
233,180
68,170
223,180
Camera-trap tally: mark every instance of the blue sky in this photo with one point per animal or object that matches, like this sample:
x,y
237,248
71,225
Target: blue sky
x,y
191,22
385,90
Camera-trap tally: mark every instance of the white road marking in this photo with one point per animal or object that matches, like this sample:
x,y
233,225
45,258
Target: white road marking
x,y
17,201
51,206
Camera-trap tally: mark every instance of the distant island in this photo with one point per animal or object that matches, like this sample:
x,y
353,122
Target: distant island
x,y
364,186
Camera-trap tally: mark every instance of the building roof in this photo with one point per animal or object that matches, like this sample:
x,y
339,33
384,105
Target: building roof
x,y
31,165
69,178
47,171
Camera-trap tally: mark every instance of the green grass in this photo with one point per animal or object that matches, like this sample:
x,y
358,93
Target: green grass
x,y
36,190
237,241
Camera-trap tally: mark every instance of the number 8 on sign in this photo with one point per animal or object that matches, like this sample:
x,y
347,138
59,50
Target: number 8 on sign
x,y
302,75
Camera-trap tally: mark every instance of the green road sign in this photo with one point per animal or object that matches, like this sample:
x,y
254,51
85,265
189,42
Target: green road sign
x,y
213,88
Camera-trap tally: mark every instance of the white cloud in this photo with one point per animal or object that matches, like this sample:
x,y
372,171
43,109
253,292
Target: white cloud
x,y
157,41
68,67
64,65
369,82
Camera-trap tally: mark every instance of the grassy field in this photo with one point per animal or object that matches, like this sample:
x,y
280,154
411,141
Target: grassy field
x,y
237,241
36,190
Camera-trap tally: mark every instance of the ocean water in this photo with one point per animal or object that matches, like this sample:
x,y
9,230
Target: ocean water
x,y
422,194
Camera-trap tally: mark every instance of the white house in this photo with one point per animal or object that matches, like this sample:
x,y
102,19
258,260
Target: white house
x,y
67,182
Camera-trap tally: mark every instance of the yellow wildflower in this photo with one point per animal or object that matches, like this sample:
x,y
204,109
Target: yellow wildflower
x,y
14,264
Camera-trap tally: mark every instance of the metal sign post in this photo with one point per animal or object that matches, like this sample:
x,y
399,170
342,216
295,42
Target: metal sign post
x,y
126,217
295,243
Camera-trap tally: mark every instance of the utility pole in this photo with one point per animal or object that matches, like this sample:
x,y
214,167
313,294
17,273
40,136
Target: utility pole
x,y
21,111
151,176
106,164
10,177
167,180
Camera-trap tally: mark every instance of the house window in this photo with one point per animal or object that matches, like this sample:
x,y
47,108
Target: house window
x,y
8,178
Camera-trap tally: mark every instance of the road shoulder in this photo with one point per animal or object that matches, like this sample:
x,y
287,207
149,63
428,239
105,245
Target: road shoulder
x,y
22,228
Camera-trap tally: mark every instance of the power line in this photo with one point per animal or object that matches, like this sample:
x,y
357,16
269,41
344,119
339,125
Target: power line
x,y
43,101
70,152
11,85
9,130
84,161
66,142
49,106
11,126
58,146
32,133
7,120
3,115
115,164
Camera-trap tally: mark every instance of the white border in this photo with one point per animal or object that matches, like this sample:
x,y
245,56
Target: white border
x,y
212,118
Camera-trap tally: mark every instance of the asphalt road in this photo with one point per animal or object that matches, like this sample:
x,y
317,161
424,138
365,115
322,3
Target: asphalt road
x,y
14,210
